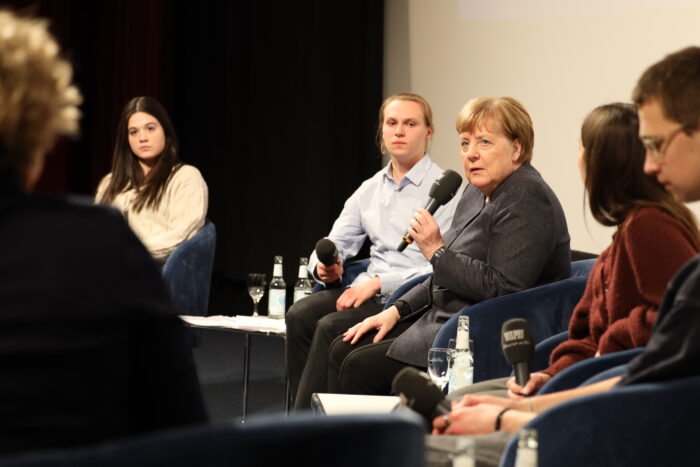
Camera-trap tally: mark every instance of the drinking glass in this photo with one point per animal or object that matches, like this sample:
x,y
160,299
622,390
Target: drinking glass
x,y
256,289
439,366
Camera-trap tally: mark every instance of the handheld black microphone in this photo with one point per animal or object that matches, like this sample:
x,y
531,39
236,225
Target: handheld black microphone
x,y
419,393
518,348
443,190
326,252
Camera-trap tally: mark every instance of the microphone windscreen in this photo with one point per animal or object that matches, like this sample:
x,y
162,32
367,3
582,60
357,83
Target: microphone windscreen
x,y
326,252
419,393
516,341
445,187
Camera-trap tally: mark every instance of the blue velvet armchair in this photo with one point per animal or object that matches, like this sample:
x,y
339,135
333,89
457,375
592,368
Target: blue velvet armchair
x,y
547,309
187,272
386,439
643,424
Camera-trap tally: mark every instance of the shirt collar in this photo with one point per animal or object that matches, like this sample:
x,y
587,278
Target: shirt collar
x,y
416,174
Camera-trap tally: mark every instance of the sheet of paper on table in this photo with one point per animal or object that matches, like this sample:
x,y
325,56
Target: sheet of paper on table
x,y
338,404
255,323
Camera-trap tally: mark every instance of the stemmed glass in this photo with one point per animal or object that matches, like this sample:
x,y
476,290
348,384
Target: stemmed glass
x,y
256,289
439,366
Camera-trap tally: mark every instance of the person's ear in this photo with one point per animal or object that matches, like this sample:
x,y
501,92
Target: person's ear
x,y
517,148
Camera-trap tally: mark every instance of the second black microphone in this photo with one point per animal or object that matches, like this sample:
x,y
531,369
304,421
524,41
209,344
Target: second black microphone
x,y
442,191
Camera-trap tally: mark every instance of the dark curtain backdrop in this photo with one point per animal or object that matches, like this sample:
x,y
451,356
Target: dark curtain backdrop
x,y
276,104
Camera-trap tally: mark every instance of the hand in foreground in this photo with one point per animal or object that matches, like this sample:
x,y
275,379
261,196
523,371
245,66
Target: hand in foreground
x,y
536,381
329,274
426,233
471,420
477,415
471,400
359,294
383,322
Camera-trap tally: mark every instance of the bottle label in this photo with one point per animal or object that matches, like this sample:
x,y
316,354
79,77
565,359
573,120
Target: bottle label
x,y
277,270
461,371
526,457
463,452
462,340
301,293
463,460
303,272
276,303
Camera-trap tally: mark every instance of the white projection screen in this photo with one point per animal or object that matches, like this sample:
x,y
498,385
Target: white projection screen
x,y
560,58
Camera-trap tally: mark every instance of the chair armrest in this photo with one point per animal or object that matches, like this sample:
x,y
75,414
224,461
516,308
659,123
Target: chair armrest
x,y
618,370
643,424
544,349
354,269
405,287
582,267
305,439
187,272
578,373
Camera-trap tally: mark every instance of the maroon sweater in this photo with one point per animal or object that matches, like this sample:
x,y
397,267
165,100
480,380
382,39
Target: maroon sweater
x,y
625,287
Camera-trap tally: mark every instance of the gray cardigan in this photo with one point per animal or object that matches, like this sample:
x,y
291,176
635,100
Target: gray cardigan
x,y
517,240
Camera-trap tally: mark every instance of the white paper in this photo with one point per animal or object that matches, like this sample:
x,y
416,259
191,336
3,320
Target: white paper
x,y
252,323
337,404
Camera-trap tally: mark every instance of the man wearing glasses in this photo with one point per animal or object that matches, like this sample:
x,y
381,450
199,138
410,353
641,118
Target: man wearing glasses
x,y
669,108
668,100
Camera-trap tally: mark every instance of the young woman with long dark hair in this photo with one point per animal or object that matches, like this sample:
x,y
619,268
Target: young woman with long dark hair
x,y
655,236
163,200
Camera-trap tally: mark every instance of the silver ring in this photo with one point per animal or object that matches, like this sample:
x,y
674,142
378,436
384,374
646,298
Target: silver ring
x,y
446,419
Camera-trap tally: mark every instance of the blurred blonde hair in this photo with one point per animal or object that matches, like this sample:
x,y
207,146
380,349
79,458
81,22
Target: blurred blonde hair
x,y
38,101
510,116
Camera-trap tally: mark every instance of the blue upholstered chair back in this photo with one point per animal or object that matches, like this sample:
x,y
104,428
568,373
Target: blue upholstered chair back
x,y
405,287
582,267
547,309
187,272
544,348
580,372
643,424
306,440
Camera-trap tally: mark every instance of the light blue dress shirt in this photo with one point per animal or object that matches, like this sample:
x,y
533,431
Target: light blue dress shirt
x,y
383,210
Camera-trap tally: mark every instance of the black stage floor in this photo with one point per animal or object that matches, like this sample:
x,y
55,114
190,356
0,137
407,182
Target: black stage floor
x,y
219,361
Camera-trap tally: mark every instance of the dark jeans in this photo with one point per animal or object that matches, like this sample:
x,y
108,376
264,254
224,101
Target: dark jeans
x,y
312,325
364,368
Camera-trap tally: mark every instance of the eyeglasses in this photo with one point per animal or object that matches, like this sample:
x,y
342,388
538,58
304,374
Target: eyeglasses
x,y
657,146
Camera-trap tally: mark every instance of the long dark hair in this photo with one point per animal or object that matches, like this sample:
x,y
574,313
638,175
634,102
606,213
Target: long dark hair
x,y
615,180
126,171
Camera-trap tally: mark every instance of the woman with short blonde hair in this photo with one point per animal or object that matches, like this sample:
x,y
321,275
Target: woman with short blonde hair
x,y
91,348
38,101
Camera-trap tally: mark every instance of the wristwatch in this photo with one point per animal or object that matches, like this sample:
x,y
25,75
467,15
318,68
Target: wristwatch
x,y
439,252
